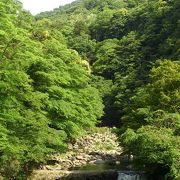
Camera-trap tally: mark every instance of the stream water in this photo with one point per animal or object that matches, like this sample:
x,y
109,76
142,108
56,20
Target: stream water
x,y
110,172
130,175
105,175
107,172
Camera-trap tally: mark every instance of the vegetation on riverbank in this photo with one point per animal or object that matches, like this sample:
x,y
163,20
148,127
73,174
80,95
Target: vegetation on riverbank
x,y
59,69
45,91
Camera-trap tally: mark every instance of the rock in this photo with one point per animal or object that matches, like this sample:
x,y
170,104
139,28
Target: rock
x,y
58,168
99,161
49,167
73,158
80,157
70,147
81,150
91,162
76,147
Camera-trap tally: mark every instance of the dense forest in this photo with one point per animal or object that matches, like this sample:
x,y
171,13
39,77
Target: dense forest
x,y
86,64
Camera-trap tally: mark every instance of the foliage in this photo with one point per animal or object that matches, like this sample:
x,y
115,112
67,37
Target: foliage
x,y
45,92
49,96
155,115
152,149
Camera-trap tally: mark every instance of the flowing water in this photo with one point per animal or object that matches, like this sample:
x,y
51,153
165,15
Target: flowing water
x,y
130,175
103,172
105,175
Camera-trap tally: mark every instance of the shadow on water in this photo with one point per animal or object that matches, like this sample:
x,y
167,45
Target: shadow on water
x,y
107,171
106,175
92,175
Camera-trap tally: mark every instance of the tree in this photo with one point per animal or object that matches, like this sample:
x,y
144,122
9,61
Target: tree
x,y
45,92
162,93
155,110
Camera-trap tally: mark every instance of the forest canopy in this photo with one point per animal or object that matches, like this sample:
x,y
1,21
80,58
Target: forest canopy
x,y
60,69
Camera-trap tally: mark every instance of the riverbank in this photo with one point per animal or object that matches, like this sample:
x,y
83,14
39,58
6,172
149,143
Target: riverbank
x,y
96,148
